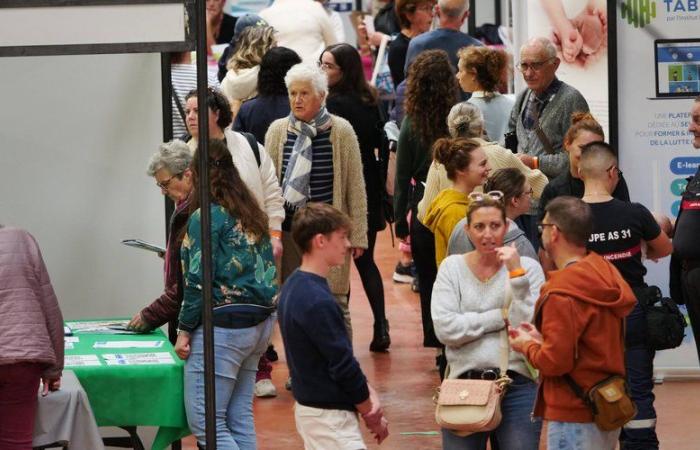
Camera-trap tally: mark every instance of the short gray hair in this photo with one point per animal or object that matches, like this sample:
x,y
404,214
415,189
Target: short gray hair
x,y
453,8
465,120
308,73
174,156
545,44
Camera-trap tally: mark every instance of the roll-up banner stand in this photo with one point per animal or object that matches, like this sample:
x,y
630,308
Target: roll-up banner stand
x,y
658,48
655,68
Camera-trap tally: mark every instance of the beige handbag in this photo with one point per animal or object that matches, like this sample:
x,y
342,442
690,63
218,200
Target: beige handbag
x,y
471,406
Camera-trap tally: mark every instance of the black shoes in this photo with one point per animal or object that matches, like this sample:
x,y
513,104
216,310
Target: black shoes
x,y
380,340
271,354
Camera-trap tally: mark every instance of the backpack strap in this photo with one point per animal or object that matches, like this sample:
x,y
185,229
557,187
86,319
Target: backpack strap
x,y
253,145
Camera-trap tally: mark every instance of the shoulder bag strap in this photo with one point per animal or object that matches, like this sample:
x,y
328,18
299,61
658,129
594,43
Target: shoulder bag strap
x,y
180,109
505,345
253,145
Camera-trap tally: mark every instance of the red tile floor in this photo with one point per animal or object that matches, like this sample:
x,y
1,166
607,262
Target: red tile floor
x,y
405,378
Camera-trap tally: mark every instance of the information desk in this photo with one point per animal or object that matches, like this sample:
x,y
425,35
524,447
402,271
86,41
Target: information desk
x,y
130,380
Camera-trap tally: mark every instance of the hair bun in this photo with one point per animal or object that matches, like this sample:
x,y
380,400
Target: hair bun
x,y
580,116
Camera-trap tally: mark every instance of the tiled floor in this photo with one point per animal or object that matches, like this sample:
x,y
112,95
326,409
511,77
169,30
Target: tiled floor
x,y
405,379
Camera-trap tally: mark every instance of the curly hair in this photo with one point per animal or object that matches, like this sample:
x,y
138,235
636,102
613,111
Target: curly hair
x,y
431,90
227,189
251,46
273,68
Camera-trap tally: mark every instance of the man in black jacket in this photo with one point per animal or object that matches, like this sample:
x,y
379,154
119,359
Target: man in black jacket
x,y
685,262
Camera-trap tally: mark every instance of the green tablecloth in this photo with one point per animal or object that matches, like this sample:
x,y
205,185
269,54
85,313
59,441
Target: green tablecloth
x,y
133,395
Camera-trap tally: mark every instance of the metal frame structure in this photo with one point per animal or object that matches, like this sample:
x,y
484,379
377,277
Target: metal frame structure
x,y
195,11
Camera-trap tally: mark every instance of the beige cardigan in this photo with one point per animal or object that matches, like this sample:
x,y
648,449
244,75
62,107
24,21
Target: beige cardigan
x,y
498,158
349,194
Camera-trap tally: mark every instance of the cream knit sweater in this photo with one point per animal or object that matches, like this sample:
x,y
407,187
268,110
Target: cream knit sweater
x,y
498,158
349,194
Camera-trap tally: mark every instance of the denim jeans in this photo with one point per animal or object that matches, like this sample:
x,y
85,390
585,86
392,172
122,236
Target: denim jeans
x,y
236,355
517,431
579,436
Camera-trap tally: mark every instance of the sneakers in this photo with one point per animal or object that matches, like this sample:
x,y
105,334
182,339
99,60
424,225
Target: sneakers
x,y
415,287
403,274
271,353
265,388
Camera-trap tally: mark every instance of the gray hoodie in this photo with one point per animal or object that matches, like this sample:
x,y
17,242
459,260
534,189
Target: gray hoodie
x,y
459,241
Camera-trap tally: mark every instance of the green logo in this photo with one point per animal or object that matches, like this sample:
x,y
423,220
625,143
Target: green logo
x,y
678,186
638,12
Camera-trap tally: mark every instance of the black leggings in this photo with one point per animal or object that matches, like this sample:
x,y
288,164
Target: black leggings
x,y
372,279
423,251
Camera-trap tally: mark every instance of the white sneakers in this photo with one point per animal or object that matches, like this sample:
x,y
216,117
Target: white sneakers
x,y
265,388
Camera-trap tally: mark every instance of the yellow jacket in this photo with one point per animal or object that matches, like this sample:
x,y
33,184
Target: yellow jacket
x,y
448,208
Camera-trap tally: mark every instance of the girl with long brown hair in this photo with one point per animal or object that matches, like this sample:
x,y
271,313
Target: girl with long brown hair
x,y
244,284
430,93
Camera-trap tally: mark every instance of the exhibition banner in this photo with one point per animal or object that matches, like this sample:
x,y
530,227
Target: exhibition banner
x,y
579,30
658,50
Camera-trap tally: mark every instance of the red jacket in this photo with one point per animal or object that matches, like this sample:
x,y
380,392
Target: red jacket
x,y
166,308
579,313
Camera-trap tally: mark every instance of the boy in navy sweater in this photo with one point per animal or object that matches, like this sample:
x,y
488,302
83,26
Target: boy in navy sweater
x,y
329,386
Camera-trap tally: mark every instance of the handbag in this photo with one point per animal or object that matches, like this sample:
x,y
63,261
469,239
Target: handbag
x,y
472,406
381,75
609,399
665,322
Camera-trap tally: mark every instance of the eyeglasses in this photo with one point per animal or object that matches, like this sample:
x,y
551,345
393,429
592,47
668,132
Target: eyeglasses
x,y
541,226
536,66
164,184
617,169
425,7
327,66
481,196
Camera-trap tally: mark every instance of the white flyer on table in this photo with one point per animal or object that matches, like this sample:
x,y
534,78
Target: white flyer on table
x,y
128,344
137,359
81,360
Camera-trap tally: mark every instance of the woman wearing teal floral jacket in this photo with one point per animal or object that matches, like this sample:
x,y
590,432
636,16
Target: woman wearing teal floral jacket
x,y
244,286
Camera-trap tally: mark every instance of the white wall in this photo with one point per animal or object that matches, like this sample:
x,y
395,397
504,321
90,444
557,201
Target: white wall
x,y
76,133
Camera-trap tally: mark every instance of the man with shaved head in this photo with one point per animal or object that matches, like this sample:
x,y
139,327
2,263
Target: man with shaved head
x,y
620,231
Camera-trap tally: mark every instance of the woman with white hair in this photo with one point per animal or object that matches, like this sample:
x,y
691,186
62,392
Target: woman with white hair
x,y
465,120
317,157
170,168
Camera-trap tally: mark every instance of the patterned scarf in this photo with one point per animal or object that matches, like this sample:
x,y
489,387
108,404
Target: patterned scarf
x,y
295,186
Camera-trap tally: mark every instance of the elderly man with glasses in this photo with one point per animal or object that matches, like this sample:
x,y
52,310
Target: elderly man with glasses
x,y
540,118
542,112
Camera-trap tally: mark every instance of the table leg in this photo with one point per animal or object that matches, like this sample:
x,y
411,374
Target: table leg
x,y
133,441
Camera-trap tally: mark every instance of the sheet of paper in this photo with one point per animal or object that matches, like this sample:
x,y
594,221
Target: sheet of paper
x,y
128,344
137,359
81,360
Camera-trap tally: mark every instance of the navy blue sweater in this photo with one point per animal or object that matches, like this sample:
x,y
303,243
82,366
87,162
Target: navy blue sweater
x,y
324,372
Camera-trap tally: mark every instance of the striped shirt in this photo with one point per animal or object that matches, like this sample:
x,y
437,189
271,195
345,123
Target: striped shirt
x,y
184,79
321,182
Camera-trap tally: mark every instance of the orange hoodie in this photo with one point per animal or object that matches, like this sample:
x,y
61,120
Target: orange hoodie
x,y
579,314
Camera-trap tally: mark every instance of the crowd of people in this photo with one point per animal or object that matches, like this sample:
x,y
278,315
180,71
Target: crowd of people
x,y
489,195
